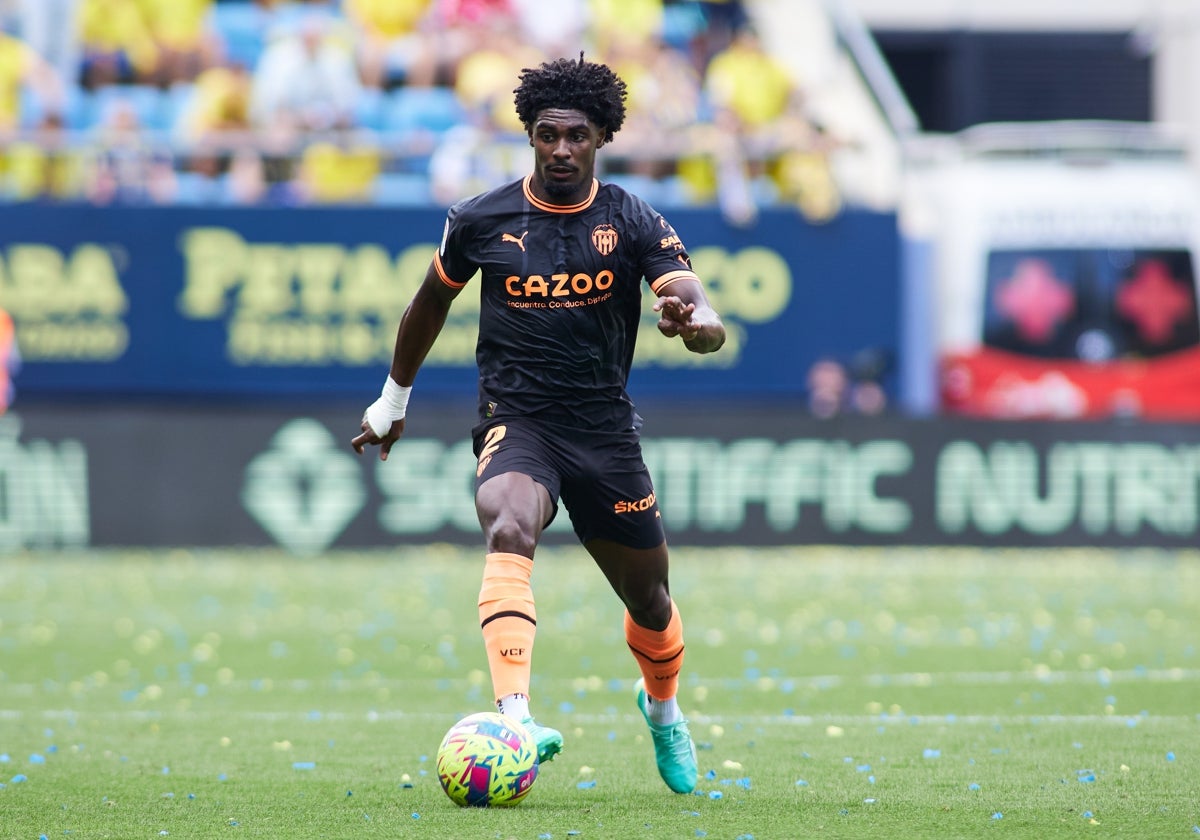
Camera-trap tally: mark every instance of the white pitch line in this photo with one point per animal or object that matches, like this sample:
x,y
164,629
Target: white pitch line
x,y
576,718
764,681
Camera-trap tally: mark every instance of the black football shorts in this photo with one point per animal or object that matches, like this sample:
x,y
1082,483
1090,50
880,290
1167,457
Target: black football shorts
x,y
600,476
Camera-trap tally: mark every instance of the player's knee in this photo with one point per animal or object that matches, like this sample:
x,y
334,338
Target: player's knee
x,y
650,608
510,535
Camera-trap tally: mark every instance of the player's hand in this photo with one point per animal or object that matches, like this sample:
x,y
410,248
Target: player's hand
x,y
675,318
369,438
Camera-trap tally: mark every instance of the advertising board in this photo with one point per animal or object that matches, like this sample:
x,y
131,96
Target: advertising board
x,y
136,302
212,475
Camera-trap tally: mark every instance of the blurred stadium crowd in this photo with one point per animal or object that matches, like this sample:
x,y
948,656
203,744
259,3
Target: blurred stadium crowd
x,y
294,102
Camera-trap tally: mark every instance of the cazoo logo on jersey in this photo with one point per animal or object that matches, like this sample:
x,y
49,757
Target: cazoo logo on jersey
x,y
558,285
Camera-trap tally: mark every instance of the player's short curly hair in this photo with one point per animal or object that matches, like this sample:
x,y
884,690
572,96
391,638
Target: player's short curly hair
x,y
579,85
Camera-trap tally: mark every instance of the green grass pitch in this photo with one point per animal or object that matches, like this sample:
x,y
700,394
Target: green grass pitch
x,y
833,692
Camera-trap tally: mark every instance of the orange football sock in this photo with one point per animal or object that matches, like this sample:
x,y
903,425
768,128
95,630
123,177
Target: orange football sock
x,y
659,653
508,621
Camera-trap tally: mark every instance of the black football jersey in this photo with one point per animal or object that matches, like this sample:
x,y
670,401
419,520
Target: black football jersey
x,y
560,293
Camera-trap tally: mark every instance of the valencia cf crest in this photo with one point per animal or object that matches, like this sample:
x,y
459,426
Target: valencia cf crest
x,y
604,237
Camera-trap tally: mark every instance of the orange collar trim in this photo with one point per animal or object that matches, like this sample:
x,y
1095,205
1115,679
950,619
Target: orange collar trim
x,y
559,208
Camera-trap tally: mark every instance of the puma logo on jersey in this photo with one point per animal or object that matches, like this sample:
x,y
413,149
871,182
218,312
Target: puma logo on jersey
x,y
519,240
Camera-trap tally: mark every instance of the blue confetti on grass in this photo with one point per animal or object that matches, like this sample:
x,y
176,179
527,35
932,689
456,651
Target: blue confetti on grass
x,y
1170,756
587,784
973,786
38,758
997,816
716,794
304,765
17,779
929,753
801,783
1087,815
710,775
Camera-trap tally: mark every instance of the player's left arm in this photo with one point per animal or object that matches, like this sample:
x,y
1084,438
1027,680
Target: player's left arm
x,y
684,311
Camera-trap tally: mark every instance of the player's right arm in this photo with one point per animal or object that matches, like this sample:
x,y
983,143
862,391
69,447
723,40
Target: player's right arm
x,y
421,324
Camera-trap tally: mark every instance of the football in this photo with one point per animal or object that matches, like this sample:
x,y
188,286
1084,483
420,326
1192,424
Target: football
x,y
487,760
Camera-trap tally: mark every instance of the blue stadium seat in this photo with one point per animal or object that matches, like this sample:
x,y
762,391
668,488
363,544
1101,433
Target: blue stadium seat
x,y
194,189
403,189
643,186
176,101
369,110
431,109
242,28
682,22
149,103
78,108
676,192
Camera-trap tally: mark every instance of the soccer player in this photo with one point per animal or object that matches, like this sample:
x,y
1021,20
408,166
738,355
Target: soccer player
x,y
561,258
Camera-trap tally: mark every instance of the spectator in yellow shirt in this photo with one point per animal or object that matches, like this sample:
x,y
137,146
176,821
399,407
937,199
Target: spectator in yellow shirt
x,y
181,32
757,101
749,83
117,42
22,68
637,21
388,44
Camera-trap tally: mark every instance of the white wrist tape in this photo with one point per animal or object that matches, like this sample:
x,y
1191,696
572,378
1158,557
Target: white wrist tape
x,y
390,407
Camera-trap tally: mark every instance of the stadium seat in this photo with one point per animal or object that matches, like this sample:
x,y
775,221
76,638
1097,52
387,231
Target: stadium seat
x,y
194,189
643,186
369,109
242,28
677,192
77,109
430,109
403,189
176,101
149,103
682,22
